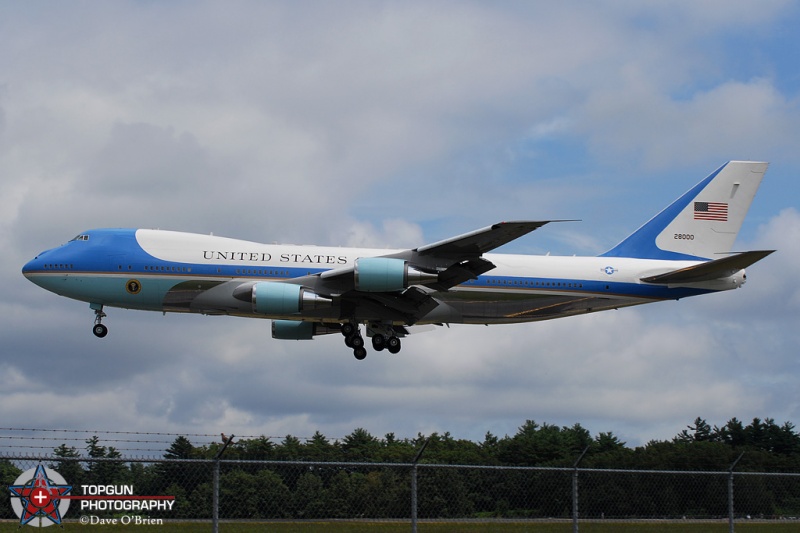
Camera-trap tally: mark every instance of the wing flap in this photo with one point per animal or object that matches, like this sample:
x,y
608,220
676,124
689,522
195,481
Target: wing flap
x,y
461,272
711,270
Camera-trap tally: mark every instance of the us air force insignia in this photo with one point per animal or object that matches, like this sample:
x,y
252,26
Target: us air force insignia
x,y
133,286
609,270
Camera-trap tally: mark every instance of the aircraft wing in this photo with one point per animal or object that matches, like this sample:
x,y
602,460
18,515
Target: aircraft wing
x,y
443,264
710,270
455,260
480,241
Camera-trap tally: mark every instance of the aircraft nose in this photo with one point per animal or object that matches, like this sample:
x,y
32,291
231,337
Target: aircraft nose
x,y
34,265
30,266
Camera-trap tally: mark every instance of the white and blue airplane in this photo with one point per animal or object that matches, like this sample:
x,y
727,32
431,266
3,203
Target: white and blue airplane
x,y
685,250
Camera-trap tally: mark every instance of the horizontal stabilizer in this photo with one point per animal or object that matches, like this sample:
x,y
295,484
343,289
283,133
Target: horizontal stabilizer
x,y
711,270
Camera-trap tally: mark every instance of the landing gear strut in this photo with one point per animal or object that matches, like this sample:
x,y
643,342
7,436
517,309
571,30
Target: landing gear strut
x,y
99,329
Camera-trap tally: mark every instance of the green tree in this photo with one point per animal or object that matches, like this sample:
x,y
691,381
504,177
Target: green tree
x,y
360,445
274,498
546,445
733,433
699,432
258,448
186,475
319,448
309,496
8,474
101,472
238,495
69,468
290,449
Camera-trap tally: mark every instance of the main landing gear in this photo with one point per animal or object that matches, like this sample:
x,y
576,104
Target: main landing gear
x,y
99,329
383,339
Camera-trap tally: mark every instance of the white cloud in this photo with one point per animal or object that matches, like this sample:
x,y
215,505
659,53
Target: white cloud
x,y
734,120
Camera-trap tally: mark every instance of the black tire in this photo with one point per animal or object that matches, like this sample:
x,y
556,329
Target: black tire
x,y
348,329
358,341
360,353
100,330
393,344
378,342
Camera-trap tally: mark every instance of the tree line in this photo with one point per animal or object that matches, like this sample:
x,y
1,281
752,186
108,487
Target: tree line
x,y
292,490
767,446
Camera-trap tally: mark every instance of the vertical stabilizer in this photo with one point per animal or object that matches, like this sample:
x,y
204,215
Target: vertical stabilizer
x,y
703,222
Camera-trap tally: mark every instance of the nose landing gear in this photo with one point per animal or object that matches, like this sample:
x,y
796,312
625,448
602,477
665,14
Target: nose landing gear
x,y
99,329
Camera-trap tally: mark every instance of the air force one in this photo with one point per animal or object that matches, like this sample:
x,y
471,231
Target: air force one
x,y
306,291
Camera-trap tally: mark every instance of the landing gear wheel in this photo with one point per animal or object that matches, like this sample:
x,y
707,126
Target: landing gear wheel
x,y
99,329
357,341
348,329
378,342
393,344
360,353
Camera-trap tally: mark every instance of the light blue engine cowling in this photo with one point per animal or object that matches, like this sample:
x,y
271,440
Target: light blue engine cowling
x,y
295,330
385,274
292,330
285,299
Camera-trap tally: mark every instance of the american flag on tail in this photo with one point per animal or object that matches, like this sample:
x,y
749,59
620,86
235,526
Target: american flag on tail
x,y
711,211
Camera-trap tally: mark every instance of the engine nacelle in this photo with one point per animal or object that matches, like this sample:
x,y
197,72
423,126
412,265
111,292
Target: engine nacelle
x,y
292,330
269,298
295,330
386,274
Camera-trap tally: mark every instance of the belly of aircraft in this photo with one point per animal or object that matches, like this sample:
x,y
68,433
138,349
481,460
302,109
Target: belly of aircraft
x,y
503,308
215,296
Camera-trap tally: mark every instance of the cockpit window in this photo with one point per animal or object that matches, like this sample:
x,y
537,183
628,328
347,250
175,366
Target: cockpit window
x,y
83,237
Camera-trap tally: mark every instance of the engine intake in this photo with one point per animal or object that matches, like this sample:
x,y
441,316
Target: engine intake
x,y
385,274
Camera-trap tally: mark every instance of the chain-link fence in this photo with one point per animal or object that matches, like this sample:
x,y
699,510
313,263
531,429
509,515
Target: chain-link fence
x,y
221,489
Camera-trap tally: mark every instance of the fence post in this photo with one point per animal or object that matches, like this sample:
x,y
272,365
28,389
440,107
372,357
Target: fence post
x,y
575,490
215,494
414,485
730,493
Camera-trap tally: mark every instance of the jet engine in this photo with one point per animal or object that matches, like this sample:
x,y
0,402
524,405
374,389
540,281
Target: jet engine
x,y
269,298
386,274
295,330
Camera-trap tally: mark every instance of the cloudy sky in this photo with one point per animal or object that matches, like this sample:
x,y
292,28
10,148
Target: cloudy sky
x,y
394,124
